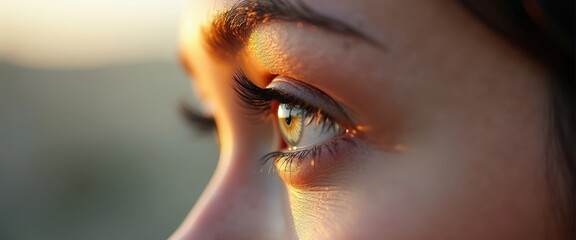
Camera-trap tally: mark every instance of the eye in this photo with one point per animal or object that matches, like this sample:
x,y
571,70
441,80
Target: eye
x,y
301,127
316,130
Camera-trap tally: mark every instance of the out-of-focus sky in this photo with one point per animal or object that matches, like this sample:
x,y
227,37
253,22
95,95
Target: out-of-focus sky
x,y
87,33
92,145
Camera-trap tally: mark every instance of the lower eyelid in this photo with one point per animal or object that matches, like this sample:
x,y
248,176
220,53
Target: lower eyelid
x,y
315,169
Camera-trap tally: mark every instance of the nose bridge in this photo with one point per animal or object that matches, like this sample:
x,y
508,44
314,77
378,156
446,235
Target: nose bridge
x,y
240,202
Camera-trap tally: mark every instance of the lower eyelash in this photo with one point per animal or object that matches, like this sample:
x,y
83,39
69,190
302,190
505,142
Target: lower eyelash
x,y
196,119
298,156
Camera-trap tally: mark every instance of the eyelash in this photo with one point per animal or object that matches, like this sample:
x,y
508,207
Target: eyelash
x,y
196,119
260,101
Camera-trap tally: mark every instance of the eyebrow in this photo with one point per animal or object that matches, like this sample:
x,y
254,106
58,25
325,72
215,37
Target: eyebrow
x,y
229,31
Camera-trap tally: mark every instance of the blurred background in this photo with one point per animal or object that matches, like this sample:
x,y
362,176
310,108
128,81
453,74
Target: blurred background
x,y
92,145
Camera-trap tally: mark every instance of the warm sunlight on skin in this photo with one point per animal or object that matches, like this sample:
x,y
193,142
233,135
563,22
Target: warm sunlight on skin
x,y
440,127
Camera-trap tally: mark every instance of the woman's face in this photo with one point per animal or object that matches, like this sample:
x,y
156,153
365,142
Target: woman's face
x,y
394,120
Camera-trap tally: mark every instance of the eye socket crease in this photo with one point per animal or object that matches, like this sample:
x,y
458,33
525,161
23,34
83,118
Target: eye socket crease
x,y
229,31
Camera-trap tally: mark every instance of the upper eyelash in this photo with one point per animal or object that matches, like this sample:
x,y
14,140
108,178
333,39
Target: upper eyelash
x,y
196,119
260,100
252,96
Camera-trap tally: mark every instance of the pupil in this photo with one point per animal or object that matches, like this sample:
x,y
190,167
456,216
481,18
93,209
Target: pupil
x,y
289,118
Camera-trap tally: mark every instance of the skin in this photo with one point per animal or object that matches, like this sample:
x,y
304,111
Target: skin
x,y
451,122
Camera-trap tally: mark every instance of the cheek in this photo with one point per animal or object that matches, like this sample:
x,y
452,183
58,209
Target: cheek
x,y
422,195
321,214
430,195
327,205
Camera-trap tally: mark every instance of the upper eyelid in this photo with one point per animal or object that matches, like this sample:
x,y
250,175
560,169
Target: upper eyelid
x,y
288,90
312,97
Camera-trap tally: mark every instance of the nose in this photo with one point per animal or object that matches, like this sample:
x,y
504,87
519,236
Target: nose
x,y
240,202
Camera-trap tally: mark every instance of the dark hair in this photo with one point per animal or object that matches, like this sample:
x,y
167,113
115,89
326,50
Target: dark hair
x,y
545,29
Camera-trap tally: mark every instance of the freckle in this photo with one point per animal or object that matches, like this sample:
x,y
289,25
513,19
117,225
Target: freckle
x,y
299,24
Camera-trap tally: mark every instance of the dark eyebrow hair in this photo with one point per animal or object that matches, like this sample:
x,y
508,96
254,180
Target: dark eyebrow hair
x,y
230,29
